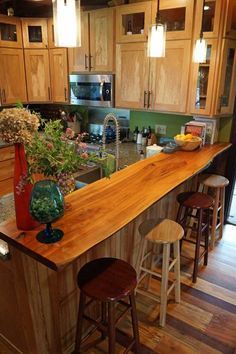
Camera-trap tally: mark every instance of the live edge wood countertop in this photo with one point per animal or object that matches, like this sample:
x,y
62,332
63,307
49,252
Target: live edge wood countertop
x,y
100,209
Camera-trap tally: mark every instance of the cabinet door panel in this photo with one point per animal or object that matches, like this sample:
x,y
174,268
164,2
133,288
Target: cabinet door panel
x,y
79,57
37,75
131,75
35,34
169,77
59,74
102,40
230,23
12,76
10,32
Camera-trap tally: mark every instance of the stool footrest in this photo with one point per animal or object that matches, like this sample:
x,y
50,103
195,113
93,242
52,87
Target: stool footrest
x,y
171,287
172,264
151,272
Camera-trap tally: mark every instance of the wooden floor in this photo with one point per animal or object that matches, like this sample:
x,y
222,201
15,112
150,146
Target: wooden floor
x,y
204,321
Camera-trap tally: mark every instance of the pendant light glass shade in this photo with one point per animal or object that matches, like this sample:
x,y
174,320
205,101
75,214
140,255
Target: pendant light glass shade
x,y
200,51
157,40
67,24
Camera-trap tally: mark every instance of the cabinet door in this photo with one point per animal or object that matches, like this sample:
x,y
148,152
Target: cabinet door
x,y
230,23
212,14
227,90
178,16
59,74
35,34
132,22
79,57
101,40
131,75
37,75
50,27
169,77
12,76
202,82
10,32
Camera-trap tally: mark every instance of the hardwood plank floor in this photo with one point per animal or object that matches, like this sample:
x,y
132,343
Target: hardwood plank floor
x,y
205,320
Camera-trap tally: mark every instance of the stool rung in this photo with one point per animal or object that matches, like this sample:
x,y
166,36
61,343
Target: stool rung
x,y
142,277
129,347
96,323
146,256
122,314
148,294
172,263
151,272
171,287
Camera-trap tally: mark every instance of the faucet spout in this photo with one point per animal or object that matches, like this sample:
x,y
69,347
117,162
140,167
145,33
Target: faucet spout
x,y
111,117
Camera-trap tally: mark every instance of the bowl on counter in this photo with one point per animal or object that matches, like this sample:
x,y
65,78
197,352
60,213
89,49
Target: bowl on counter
x,y
189,145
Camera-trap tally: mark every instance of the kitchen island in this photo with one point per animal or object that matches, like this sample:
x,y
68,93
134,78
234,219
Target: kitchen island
x,y
39,295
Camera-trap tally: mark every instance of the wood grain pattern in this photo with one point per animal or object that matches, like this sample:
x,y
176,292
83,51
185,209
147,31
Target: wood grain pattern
x,y
133,189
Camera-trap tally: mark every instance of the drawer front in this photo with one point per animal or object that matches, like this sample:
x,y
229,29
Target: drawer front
x,y
6,169
6,187
7,153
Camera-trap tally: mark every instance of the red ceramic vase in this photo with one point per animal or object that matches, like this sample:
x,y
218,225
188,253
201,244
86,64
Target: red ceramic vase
x,y
22,191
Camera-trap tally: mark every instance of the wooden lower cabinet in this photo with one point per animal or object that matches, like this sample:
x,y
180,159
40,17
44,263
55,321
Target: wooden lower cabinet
x,y
59,74
7,162
38,75
132,68
12,76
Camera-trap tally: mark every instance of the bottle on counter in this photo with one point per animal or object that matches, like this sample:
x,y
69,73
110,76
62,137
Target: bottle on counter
x,y
141,155
144,136
149,136
135,134
139,138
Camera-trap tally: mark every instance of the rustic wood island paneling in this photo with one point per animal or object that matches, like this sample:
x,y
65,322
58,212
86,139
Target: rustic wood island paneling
x,y
40,294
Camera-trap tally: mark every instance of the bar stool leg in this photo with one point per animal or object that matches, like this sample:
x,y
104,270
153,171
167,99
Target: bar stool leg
x,y
222,203
134,323
215,217
177,271
111,328
197,248
164,283
79,329
103,336
207,237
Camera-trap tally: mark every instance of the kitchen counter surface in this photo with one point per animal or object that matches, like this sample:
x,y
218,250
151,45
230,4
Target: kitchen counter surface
x,y
100,209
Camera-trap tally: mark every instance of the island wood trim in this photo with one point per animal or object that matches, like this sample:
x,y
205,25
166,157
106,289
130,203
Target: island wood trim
x,y
99,210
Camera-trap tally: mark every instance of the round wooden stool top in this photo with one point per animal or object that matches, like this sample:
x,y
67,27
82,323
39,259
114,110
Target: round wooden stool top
x,y
216,181
181,197
147,225
167,231
198,201
107,279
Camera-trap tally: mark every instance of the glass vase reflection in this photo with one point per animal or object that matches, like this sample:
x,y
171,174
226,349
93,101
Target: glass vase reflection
x,y
46,206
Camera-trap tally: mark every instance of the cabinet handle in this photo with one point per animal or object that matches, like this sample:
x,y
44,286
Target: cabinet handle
x,y
4,96
49,94
90,62
149,95
0,96
144,99
85,61
65,92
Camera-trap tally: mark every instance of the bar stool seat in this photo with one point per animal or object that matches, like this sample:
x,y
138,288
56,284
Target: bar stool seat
x,y
218,184
160,232
108,281
193,205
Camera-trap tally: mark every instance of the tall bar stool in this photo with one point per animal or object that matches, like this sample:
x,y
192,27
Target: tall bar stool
x,y
107,281
216,184
193,205
165,233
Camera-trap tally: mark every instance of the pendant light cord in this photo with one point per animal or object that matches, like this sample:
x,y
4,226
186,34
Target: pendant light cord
x,y
158,12
201,33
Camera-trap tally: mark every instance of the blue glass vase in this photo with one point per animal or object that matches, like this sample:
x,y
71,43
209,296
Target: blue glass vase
x,y
46,206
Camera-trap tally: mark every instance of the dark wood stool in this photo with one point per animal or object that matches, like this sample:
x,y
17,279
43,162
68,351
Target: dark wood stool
x,y
193,205
107,280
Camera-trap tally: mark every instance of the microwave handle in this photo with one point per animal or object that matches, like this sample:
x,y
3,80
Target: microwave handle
x,y
101,89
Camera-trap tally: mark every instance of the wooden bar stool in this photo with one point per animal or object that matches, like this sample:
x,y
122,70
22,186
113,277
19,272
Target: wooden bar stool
x,y
165,233
216,184
107,281
193,205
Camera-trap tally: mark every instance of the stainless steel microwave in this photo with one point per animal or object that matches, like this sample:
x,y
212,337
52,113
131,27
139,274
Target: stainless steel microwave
x,y
92,90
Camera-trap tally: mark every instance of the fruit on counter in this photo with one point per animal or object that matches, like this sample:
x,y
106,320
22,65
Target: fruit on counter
x,y
186,137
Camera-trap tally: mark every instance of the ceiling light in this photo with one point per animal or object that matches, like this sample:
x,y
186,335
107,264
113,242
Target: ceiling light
x,y
157,37
200,50
66,20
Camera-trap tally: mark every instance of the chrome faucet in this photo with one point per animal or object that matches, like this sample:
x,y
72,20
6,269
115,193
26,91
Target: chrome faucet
x,y
112,117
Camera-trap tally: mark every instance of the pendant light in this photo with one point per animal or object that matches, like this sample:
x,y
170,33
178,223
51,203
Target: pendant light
x,y
157,37
200,50
66,21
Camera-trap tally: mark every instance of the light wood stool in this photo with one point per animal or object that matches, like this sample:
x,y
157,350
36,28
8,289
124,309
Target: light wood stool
x,y
165,233
218,184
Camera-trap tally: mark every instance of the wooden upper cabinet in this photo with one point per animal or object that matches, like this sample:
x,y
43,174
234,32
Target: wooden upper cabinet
x,y
169,78
10,32
59,74
37,75
133,21
102,40
132,75
12,76
35,33
225,97
230,23
212,15
178,16
202,87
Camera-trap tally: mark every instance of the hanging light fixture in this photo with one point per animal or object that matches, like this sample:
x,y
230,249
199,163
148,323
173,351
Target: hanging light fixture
x,y
200,50
157,37
66,21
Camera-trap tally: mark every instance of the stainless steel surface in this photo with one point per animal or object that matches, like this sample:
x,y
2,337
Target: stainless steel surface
x,y
111,117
